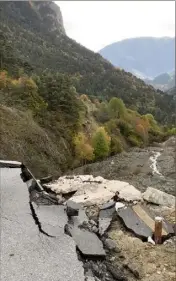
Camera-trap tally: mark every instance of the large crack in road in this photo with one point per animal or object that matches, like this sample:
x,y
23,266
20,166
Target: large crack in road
x,y
28,252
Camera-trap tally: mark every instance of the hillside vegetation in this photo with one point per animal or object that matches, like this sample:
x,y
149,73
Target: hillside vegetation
x,y
48,126
46,120
31,29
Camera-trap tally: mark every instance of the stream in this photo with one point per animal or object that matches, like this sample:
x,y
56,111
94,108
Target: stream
x,y
153,166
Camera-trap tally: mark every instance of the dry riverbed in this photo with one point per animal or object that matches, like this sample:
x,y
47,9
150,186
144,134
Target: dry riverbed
x,y
153,166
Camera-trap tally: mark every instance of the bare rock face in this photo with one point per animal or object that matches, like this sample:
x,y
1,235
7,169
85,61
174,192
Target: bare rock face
x,y
51,14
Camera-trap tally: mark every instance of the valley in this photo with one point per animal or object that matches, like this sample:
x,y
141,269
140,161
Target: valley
x,y
87,154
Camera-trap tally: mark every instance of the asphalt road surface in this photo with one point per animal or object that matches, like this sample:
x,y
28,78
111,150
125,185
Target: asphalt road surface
x,y
26,253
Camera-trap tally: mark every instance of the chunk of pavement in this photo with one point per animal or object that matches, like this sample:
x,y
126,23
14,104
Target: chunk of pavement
x,y
80,219
134,223
138,219
107,205
65,185
72,208
126,191
68,184
110,244
49,217
92,194
158,197
87,242
105,218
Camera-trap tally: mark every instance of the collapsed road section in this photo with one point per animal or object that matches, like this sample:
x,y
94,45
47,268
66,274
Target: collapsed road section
x,y
26,253
70,229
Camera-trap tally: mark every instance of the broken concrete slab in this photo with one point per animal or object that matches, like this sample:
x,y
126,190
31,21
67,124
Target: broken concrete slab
x,y
80,219
115,185
126,191
107,205
92,194
158,197
50,217
96,189
134,223
129,193
105,218
72,208
87,242
67,184
141,222
10,164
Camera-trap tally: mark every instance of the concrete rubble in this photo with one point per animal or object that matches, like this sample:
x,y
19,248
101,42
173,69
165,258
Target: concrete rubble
x,y
105,218
69,223
89,190
158,197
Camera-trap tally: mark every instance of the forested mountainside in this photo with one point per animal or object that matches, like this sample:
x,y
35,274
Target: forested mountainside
x,y
146,57
39,40
47,120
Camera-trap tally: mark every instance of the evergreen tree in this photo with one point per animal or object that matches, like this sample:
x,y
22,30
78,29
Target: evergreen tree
x,y
101,143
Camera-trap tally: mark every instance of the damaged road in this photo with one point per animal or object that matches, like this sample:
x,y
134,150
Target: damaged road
x,y
71,231
27,253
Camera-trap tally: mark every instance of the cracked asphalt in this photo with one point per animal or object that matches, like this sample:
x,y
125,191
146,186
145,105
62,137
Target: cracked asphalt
x,y
27,254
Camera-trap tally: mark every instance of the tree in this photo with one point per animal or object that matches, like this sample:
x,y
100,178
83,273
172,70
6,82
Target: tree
x,y
116,145
116,108
60,95
25,92
101,143
83,149
102,113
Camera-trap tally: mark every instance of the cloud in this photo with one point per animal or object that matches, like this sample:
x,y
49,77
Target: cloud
x,y
96,24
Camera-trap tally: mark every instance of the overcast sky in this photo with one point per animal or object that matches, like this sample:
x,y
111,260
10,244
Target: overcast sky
x,y
96,24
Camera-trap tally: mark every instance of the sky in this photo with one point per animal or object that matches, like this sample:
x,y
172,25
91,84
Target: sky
x,y
96,24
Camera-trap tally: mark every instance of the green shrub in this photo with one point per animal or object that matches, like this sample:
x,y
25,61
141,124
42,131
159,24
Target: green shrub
x,y
135,140
116,145
171,132
125,128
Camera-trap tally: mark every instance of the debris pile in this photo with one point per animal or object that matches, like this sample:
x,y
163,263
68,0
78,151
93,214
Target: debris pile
x,y
111,201
96,212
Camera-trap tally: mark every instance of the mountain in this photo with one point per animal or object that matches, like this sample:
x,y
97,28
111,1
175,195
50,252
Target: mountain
x,y
57,97
145,57
36,33
164,81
